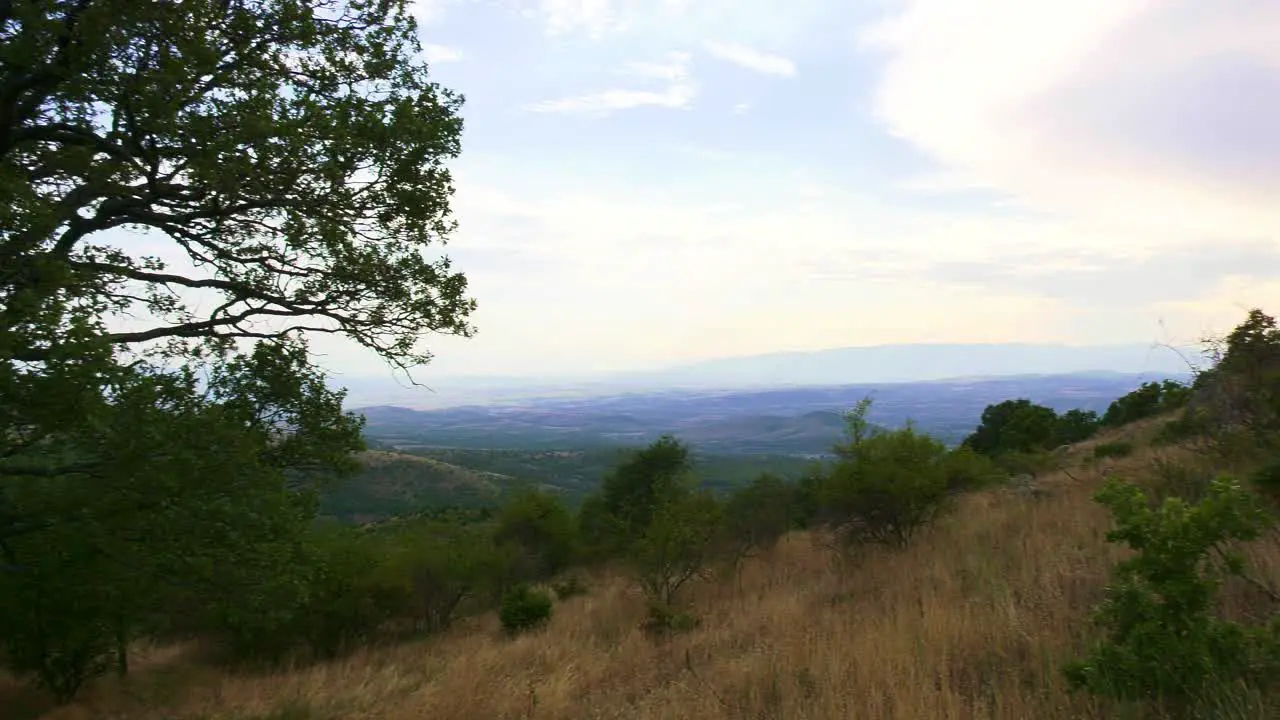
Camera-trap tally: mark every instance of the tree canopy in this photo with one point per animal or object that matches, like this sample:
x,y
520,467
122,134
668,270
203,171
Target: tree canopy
x,y
278,164
190,189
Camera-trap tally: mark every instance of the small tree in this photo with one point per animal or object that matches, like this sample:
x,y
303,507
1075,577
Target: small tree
x,y
885,485
1014,426
1150,399
542,528
1164,641
442,564
633,490
756,515
676,545
1074,426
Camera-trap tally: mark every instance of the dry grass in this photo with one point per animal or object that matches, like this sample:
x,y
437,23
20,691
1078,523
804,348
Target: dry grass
x,y
972,621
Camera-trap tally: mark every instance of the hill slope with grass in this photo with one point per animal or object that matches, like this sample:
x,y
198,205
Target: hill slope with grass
x,y
391,483
973,620
1051,566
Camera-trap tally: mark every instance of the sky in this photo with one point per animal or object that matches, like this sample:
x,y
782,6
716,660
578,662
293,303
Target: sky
x,y
651,182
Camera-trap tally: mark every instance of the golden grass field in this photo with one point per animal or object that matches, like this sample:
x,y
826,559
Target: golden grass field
x,y
973,620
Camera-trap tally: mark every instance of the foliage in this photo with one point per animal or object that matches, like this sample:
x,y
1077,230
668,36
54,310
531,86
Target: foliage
x,y
757,514
1150,399
162,493
677,544
967,470
1238,399
395,483
809,509
577,472
885,485
1014,426
543,530
633,491
1164,641
441,565
163,430
524,608
1075,426
295,150
597,530
350,594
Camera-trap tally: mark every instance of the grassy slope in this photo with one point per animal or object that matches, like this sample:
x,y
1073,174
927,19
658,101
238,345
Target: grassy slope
x,y
395,483
972,621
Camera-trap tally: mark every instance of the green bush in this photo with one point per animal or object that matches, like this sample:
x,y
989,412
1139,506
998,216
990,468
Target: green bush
x,y
1164,643
967,470
678,543
1074,426
886,484
757,515
1114,449
1150,399
542,529
524,608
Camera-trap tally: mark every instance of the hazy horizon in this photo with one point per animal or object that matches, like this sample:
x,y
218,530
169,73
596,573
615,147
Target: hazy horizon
x,y
901,363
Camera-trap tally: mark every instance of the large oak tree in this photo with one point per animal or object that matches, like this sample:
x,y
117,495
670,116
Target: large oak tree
x,y
188,188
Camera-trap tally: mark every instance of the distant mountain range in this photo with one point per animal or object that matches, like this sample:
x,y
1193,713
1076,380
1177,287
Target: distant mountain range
x,y
915,363
834,367
785,421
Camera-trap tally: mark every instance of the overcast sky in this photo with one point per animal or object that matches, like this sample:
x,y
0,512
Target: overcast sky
x,y
647,182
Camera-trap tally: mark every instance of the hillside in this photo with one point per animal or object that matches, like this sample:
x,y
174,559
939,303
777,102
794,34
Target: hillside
x,y
972,620
393,483
414,480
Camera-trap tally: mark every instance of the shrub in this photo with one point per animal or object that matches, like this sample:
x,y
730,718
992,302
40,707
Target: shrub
x,y
1150,399
756,515
1164,644
1074,426
677,544
1115,449
542,528
1189,424
966,470
885,485
345,597
524,608
443,564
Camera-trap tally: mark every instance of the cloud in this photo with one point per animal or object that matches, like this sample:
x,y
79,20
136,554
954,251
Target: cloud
x,y
674,69
441,53
1112,280
753,60
679,92
1158,116
593,17
682,23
